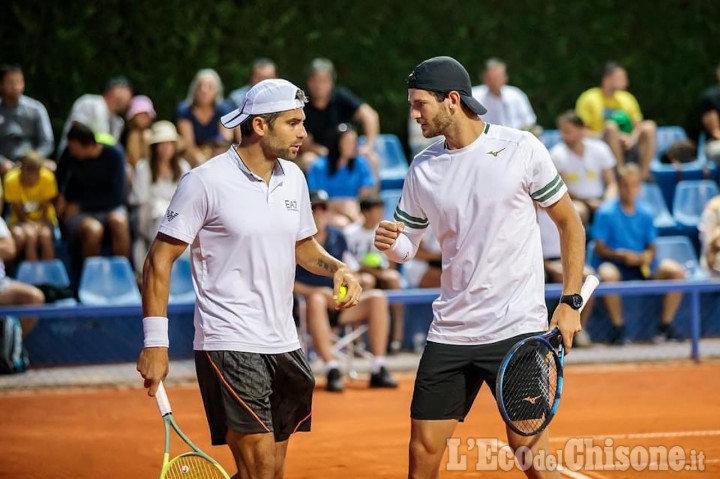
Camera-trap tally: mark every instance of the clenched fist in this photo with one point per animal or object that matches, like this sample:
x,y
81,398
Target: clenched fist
x,y
386,234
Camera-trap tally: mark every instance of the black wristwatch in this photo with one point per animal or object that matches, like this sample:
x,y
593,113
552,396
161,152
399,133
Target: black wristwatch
x,y
575,301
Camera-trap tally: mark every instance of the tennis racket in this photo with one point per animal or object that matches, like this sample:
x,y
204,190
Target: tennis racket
x,y
189,465
530,381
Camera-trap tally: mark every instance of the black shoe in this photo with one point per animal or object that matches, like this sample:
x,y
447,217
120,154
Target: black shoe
x,y
334,381
618,336
382,379
666,332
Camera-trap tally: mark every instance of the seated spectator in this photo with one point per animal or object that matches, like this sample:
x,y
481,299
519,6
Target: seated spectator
x,y
329,106
16,293
101,113
710,119
550,240
624,245
262,69
155,181
24,122
375,269
140,116
91,181
198,117
322,315
425,269
344,175
611,112
586,165
506,105
30,191
709,227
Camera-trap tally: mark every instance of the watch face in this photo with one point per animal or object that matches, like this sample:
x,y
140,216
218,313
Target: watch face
x,y
577,301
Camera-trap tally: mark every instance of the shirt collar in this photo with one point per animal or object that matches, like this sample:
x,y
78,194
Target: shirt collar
x,y
278,170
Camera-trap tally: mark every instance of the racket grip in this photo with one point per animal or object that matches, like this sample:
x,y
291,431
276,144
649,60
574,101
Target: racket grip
x,y
162,400
591,282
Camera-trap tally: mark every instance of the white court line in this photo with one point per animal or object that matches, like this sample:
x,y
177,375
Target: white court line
x,y
646,435
560,469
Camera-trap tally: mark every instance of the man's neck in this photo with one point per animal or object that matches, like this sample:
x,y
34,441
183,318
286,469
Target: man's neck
x,y
463,132
627,207
256,161
578,148
10,102
607,92
320,103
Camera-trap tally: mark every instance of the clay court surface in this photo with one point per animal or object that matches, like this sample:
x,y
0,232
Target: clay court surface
x,y
116,433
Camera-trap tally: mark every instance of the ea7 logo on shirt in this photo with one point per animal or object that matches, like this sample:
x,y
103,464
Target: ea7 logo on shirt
x,y
291,205
171,215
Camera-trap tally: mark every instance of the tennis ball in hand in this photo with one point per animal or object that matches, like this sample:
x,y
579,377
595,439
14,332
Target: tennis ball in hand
x,y
373,260
341,294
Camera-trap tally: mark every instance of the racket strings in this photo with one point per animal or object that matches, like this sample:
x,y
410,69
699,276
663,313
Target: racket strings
x,y
529,386
192,466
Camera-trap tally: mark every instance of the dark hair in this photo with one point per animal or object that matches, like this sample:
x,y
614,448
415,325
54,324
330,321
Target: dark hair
x,y
174,164
6,69
571,117
439,95
334,148
246,129
82,134
262,62
609,68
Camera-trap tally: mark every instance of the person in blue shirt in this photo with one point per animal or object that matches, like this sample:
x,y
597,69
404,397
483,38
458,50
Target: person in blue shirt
x,y
344,175
625,236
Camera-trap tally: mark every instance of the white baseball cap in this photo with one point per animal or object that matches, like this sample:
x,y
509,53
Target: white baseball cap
x,y
268,96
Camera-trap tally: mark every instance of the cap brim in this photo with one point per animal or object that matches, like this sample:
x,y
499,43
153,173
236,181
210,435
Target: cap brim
x,y
234,118
473,104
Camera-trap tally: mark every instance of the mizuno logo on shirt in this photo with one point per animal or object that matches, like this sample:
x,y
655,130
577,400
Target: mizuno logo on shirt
x,y
494,153
171,215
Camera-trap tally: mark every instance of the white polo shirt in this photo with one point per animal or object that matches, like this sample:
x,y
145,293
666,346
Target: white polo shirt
x,y
481,201
242,233
583,174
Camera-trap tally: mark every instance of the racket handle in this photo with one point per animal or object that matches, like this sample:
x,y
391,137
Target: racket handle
x,y
162,400
591,282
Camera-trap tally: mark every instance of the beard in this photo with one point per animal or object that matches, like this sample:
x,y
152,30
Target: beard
x,y
438,124
275,148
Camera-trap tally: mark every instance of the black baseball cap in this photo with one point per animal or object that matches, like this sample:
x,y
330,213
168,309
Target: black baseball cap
x,y
370,201
318,197
443,74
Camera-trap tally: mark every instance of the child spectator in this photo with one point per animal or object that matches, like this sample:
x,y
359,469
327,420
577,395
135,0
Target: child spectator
x,y
140,116
30,191
344,175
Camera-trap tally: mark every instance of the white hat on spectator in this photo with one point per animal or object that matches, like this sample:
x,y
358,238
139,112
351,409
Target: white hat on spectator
x,y
162,131
268,96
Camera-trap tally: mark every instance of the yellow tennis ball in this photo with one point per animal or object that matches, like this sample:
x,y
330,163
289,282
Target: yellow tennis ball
x,y
373,260
341,294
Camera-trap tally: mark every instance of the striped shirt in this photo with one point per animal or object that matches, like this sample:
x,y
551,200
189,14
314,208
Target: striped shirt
x,y
481,201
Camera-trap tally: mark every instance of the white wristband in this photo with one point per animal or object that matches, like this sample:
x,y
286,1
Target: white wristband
x,y
156,332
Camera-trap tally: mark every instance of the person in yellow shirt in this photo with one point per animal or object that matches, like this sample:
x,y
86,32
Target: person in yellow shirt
x,y
30,189
613,113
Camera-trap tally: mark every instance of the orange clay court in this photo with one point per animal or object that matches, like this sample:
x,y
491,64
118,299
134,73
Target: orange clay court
x,y
117,433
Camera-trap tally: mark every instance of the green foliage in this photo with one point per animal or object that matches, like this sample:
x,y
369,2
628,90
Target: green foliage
x,y
554,49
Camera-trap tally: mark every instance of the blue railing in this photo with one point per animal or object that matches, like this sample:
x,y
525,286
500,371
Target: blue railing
x,y
693,288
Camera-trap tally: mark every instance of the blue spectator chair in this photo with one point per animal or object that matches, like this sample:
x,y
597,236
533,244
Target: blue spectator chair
x,y
391,198
393,163
550,138
181,286
52,272
690,199
680,249
108,281
667,175
652,197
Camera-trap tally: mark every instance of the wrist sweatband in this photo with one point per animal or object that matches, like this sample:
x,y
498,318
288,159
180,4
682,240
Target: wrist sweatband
x,y
156,332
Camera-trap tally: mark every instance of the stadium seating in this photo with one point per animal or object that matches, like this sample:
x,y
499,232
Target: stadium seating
x,y
680,249
393,163
49,272
108,281
652,197
690,198
181,286
550,138
391,199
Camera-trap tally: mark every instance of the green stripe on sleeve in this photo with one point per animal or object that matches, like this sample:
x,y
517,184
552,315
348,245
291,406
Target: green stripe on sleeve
x,y
412,224
413,219
550,193
546,188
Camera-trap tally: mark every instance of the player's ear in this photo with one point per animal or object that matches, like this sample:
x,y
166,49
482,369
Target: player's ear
x,y
454,101
258,125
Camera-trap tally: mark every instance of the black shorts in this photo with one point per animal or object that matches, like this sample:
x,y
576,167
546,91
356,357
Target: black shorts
x,y
449,377
255,393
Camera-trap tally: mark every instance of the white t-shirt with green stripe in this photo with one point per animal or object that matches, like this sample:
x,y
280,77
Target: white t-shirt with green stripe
x,y
481,201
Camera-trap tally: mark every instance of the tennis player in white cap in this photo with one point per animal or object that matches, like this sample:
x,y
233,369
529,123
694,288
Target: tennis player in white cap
x,y
246,215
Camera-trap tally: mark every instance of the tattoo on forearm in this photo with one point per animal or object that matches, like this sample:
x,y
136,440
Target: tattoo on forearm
x,y
330,268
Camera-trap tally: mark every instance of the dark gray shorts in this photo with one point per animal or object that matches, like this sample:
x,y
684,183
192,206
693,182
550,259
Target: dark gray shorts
x,y
255,393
